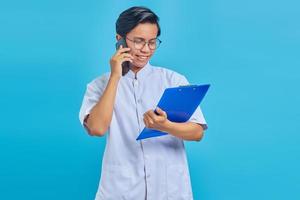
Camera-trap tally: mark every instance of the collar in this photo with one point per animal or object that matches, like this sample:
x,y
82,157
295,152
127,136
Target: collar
x,y
141,74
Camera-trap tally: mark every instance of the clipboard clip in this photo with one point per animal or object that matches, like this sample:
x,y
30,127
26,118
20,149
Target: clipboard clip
x,y
188,85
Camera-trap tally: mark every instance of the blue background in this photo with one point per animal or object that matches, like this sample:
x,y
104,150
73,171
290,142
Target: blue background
x,y
247,50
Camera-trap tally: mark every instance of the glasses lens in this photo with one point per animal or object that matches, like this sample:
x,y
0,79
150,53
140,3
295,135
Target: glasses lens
x,y
153,44
139,44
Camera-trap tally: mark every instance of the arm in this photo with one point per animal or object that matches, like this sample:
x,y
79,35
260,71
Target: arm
x,y
186,131
99,119
97,122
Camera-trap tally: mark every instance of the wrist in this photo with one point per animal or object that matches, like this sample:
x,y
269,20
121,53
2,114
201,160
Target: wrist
x,y
115,77
167,126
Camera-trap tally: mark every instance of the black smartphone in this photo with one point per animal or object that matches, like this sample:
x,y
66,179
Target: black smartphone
x,y
121,42
125,65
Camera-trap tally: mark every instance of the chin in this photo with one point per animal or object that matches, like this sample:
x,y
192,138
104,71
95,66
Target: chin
x,y
140,64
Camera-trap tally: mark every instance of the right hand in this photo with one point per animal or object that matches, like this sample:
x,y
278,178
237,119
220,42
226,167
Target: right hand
x,y
117,59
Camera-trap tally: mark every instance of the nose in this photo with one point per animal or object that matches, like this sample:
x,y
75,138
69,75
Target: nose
x,y
145,48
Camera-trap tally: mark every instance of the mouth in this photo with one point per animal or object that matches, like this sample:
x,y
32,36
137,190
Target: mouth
x,y
142,58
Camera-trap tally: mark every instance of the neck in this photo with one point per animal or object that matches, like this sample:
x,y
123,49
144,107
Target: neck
x,y
135,69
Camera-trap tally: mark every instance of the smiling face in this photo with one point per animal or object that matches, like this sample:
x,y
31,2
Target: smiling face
x,y
147,32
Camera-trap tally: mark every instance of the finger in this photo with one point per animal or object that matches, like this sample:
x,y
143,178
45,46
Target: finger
x,y
147,113
152,116
146,123
146,118
157,118
160,111
126,59
149,120
122,56
122,50
127,55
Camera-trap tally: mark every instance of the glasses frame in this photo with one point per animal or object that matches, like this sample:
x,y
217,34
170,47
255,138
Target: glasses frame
x,y
146,42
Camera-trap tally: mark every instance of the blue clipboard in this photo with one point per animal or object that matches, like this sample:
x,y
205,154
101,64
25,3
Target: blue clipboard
x,y
179,103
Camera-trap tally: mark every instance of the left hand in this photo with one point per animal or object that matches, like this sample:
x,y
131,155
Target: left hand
x,y
154,121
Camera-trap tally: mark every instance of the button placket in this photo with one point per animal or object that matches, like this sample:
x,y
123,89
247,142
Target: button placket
x,y
141,124
139,103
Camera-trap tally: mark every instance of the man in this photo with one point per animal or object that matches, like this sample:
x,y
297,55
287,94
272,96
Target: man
x,y
155,168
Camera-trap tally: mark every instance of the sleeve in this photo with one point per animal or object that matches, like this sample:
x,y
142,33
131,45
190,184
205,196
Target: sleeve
x,y
197,116
92,95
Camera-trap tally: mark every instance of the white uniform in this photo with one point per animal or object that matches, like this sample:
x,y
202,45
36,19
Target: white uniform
x,y
154,168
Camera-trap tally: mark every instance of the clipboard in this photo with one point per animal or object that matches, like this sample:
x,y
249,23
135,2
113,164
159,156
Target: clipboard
x,y
179,103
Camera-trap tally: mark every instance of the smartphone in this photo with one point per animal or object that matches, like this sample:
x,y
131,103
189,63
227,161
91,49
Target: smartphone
x,y
121,42
125,65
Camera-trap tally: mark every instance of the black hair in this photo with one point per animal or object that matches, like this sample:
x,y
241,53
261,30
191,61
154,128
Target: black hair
x,y
133,16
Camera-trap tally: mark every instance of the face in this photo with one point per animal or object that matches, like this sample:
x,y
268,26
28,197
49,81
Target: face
x,y
147,32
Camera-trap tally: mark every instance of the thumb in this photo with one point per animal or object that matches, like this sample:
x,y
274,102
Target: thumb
x,y
160,111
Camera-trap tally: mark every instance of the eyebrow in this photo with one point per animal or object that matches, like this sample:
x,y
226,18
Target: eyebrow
x,y
144,38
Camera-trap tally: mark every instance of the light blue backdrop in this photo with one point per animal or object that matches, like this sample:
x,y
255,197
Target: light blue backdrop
x,y
248,51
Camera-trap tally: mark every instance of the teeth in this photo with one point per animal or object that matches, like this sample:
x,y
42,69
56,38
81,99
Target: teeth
x,y
142,57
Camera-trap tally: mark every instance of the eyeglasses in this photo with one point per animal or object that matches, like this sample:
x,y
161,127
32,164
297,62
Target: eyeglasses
x,y
139,43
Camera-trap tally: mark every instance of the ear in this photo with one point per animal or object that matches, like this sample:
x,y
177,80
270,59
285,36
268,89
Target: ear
x,y
118,37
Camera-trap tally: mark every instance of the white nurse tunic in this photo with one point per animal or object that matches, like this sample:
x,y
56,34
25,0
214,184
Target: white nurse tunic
x,y
152,169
